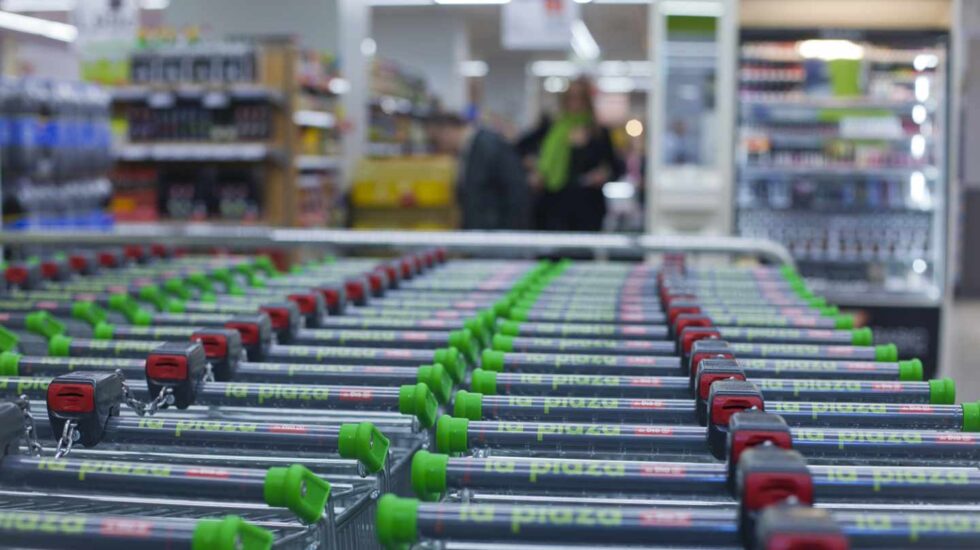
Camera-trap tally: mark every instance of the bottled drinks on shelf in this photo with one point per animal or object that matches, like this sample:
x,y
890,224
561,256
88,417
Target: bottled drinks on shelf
x,y
55,149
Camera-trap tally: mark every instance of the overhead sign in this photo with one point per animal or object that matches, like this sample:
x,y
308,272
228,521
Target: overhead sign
x,y
538,24
107,31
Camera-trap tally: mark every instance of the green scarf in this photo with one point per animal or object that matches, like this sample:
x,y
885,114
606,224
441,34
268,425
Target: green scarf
x,y
556,150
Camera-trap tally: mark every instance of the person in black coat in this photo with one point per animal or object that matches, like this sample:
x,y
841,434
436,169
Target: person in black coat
x,y
491,186
575,160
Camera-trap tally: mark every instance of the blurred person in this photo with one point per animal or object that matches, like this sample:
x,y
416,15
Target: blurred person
x,y
575,160
491,187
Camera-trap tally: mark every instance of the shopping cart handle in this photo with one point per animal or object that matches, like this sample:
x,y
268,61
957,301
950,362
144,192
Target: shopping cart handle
x,y
179,366
11,426
87,398
797,526
726,398
707,349
230,533
223,349
365,443
711,371
297,489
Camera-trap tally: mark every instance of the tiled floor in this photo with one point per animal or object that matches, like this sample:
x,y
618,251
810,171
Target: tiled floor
x,y
964,363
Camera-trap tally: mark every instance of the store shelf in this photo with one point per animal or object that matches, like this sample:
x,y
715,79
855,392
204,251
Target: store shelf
x,y
314,119
158,95
317,162
194,152
858,172
818,102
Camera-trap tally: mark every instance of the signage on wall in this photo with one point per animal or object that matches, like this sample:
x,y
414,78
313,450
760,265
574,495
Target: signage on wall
x,y
107,31
538,24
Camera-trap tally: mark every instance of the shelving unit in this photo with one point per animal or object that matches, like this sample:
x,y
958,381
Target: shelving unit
x,y
843,160
842,148
257,143
400,184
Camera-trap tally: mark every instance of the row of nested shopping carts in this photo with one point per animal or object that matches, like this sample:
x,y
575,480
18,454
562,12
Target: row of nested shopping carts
x,y
216,402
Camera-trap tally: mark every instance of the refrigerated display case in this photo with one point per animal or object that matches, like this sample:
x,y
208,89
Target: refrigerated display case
x,y
841,156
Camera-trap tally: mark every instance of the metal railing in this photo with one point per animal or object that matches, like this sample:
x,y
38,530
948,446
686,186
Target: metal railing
x,y
245,237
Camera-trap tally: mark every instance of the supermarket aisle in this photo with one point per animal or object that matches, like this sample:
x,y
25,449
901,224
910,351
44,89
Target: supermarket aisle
x,y
966,350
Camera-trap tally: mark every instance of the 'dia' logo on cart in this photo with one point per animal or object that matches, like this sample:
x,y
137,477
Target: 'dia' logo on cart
x,y
210,473
646,404
646,381
654,431
662,470
287,429
355,395
660,518
914,409
122,527
886,386
955,439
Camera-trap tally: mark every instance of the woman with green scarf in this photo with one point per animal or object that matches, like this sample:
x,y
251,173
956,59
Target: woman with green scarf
x,y
575,160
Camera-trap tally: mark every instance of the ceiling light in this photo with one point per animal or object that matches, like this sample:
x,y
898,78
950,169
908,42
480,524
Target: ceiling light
x,y
583,1
554,68
634,128
369,47
338,86
583,43
828,50
618,190
555,85
919,114
925,61
473,68
921,88
615,84
38,26
154,4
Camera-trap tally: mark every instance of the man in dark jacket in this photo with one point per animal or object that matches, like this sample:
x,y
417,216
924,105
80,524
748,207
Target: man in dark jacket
x,y
491,187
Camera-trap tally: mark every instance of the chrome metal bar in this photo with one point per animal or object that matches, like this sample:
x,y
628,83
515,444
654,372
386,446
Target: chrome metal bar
x,y
210,235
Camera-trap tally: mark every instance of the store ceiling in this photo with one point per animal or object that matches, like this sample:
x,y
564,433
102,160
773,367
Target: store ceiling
x,y
619,29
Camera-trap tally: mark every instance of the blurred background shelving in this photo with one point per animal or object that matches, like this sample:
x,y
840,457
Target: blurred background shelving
x,y
841,154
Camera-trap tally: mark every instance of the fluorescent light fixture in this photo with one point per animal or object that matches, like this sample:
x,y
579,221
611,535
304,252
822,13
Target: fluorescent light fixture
x,y
583,1
918,146
618,190
615,84
555,84
695,8
583,44
154,4
921,88
925,61
829,49
473,68
37,26
634,128
38,5
470,2
554,68
919,114
369,47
